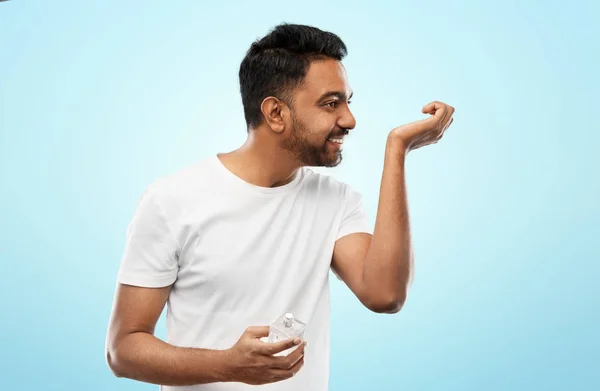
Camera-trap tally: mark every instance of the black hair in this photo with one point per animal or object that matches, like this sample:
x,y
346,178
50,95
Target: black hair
x,y
277,64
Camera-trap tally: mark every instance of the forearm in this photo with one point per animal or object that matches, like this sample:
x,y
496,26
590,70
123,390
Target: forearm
x,y
388,264
143,357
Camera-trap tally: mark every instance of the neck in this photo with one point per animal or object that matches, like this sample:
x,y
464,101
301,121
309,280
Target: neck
x,y
261,161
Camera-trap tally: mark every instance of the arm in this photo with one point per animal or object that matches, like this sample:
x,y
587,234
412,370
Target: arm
x,y
379,268
132,350
148,269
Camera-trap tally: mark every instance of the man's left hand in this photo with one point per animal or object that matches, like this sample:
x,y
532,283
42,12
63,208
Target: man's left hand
x,y
424,132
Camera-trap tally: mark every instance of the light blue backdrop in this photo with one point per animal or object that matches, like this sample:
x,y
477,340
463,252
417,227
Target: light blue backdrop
x,y
97,99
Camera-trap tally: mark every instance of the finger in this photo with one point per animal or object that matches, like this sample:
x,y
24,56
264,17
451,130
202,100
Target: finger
x,y
439,113
287,373
441,134
448,124
447,117
257,331
288,361
293,357
429,108
436,108
273,348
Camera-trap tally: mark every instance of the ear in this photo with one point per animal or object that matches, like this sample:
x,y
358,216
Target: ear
x,y
275,111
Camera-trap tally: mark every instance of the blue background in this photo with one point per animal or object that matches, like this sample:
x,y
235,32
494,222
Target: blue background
x,y
97,99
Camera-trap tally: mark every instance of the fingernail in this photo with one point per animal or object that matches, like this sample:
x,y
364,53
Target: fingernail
x,y
297,341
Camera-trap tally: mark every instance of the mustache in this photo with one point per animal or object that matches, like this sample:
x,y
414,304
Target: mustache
x,y
343,133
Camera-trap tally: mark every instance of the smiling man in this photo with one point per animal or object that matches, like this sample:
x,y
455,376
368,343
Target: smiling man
x,y
238,239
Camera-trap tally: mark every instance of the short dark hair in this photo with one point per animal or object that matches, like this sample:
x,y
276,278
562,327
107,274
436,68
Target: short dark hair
x,y
277,64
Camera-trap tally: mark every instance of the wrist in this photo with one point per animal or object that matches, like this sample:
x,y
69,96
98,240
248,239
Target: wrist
x,y
225,370
396,147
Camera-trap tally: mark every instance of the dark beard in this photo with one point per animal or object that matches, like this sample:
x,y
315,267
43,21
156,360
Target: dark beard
x,y
306,153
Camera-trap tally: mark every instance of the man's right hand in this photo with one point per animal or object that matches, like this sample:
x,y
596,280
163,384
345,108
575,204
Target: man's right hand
x,y
252,361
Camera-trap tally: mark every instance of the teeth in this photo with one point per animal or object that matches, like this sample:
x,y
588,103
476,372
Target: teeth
x,y
336,140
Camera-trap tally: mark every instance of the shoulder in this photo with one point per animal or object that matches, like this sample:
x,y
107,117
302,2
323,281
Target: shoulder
x,y
326,184
179,185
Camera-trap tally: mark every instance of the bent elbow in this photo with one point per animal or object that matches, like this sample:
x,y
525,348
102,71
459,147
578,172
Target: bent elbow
x,y
388,305
113,363
387,308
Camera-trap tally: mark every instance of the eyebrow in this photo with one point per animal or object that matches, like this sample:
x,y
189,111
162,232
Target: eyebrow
x,y
338,94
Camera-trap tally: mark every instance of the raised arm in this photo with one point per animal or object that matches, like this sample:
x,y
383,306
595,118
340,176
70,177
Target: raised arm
x,y
379,268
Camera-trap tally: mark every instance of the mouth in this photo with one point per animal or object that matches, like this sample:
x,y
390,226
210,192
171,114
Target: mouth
x,y
336,140
335,143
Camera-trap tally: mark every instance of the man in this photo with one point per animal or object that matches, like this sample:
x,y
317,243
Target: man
x,y
238,239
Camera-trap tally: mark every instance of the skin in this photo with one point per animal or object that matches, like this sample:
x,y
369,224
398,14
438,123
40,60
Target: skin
x,y
377,268
295,135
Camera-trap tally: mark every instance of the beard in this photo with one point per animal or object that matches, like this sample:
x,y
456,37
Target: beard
x,y
307,153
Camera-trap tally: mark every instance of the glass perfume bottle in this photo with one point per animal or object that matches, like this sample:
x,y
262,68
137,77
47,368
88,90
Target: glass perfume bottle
x,y
286,327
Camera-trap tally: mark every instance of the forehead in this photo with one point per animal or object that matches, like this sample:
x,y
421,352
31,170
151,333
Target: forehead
x,y
324,76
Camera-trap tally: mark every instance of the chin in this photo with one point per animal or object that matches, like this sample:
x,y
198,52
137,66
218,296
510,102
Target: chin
x,y
333,162
322,158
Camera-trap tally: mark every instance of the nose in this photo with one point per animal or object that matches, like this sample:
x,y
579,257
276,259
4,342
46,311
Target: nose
x,y
347,121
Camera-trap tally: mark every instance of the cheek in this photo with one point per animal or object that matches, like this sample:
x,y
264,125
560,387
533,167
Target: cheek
x,y
315,126
321,128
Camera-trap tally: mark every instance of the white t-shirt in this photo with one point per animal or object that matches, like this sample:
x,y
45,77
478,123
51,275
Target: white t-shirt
x,y
241,255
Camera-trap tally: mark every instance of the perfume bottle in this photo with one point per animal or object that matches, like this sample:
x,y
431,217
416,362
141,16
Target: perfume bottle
x,y
286,327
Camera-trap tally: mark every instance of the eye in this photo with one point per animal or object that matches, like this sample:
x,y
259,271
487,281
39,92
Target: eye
x,y
333,104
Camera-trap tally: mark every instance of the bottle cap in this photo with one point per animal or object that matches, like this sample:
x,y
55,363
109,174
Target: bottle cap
x,y
288,319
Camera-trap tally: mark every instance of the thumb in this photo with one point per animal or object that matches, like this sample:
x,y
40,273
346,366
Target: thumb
x,y
437,109
257,331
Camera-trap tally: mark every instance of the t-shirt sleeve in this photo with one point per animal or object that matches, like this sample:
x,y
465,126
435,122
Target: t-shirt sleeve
x,y
150,256
354,218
